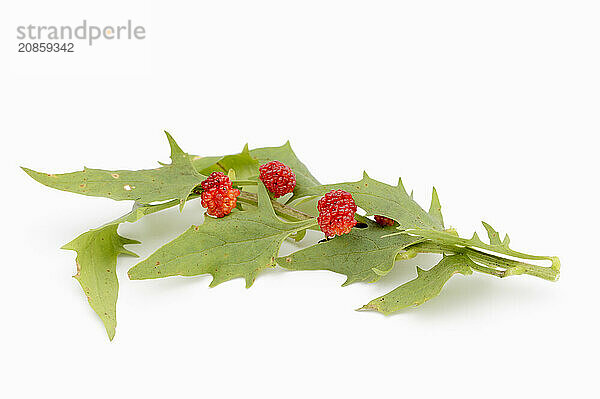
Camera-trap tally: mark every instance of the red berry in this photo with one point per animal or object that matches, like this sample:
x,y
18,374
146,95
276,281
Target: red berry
x,y
216,180
383,221
336,213
219,202
278,178
218,196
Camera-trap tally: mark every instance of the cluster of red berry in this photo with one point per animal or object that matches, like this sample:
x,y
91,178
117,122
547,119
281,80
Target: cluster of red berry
x,y
336,208
336,213
278,178
218,195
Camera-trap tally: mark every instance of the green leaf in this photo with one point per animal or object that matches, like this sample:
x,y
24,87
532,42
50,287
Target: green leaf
x,y
361,255
307,205
238,245
97,252
304,179
173,181
378,198
244,165
435,209
498,246
427,285
200,163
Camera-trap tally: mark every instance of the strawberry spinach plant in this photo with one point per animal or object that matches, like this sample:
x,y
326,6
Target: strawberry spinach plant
x,y
258,198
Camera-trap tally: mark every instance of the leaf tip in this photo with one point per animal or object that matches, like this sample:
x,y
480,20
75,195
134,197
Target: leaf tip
x,y
214,282
182,201
366,308
347,282
32,173
69,246
129,253
132,273
175,149
400,185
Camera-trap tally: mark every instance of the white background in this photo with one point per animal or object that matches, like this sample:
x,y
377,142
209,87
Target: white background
x,y
494,102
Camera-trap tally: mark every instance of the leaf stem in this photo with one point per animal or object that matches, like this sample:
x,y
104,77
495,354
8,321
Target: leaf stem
x,y
251,198
513,267
244,182
486,263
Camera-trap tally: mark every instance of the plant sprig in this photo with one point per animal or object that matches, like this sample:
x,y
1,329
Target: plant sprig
x,y
246,240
